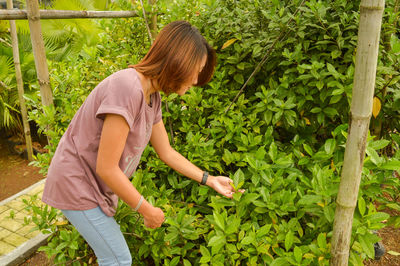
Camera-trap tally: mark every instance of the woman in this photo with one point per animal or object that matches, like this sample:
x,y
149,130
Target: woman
x,y
105,139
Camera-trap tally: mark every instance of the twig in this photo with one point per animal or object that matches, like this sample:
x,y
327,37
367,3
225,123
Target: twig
x,y
264,58
178,201
383,90
147,24
133,234
71,261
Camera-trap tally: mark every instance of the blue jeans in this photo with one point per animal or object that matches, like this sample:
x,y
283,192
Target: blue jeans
x,y
102,234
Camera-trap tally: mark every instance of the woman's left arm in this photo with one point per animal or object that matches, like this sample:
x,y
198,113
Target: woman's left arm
x,y
159,140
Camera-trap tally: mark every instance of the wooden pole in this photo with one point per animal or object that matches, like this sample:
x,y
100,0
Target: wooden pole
x,y
361,108
153,20
66,14
39,52
20,85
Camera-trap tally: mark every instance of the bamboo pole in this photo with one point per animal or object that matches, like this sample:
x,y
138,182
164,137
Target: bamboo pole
x,y
65,14
361,108
153,20
20,85
39,52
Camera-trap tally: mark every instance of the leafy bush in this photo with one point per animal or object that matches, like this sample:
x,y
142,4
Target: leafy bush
x,y
282,140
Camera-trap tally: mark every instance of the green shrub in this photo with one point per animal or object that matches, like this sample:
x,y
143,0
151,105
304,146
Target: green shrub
x,y
283,140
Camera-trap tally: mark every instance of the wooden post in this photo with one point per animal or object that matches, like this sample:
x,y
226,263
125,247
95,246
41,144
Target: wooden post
x,y
153,20
39,52
361,108
20,85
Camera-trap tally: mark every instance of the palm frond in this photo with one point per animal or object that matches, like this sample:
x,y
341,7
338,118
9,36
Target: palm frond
x,y
23,27
6,66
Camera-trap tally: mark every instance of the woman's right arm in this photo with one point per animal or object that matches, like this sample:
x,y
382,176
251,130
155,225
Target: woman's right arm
x,y
112,142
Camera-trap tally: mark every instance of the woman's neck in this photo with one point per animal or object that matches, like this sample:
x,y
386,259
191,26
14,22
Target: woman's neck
x,y
148,89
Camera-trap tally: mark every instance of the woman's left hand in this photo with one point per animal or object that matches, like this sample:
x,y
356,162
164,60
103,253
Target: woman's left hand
x,y
222,185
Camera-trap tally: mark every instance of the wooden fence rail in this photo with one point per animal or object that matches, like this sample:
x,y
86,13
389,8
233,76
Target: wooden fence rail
x,y
65,14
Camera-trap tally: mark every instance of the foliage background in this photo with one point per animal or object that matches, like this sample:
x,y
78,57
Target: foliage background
x,y
283,140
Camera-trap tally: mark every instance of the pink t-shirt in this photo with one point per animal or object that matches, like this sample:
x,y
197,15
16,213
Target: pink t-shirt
x,y
72,182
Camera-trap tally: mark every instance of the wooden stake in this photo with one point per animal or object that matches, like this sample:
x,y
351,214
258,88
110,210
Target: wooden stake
x,y
39,52
153,20
20,85
361,108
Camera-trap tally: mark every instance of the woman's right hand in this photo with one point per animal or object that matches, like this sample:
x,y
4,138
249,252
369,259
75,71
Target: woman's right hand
x,y
154,218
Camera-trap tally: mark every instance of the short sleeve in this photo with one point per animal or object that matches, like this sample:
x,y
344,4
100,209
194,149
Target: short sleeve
x,y
157,109
119,96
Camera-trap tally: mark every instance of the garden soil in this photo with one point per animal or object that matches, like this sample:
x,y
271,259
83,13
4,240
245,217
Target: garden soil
x,y
16,174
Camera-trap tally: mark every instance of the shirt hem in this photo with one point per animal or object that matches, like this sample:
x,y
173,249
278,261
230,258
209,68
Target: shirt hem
x,y
74,207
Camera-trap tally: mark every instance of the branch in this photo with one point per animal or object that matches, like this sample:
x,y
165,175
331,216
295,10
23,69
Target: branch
x,y
283,33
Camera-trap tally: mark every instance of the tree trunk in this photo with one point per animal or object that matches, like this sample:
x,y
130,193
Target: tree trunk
x,y
361,108
20,85
39,51
65,14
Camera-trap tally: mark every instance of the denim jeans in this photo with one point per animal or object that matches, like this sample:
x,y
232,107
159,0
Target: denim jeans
x,y
102,234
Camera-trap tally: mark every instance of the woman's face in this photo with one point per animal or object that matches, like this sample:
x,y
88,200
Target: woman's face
x,y
185,87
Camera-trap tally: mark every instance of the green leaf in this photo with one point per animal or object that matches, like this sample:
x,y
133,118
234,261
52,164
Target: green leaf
x,y
205,255
391,165
316,110
321,240
238,178
216,240
329,213
279,262
330,111
361,206
310,199
273,151
74,245
394,206
337,92
377,217
308,149
264,230
330,146
228,157
233,225
298,254
335,54
219,220
332,70
374,156
239,78
204,251
367,246
247,240
395,44
289,240
175,261
378,144
64,235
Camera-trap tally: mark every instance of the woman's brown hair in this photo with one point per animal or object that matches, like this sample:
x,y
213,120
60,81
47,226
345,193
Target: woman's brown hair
x,y
174,56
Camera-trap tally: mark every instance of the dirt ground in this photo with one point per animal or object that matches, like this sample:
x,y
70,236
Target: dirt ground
x,y
16,175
